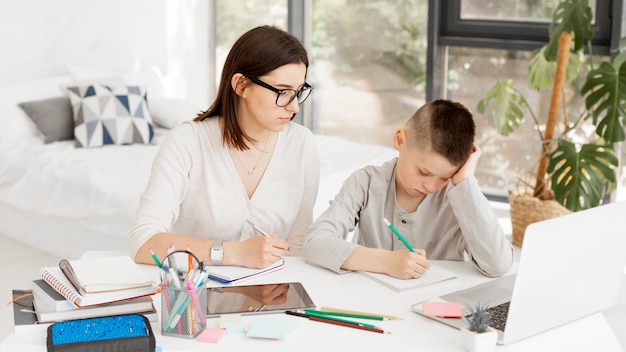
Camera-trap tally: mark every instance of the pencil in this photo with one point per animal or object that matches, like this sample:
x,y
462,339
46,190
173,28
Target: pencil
x,y
155,258
348,315
323,316
400,237
338,310
348,325
337,322
256,227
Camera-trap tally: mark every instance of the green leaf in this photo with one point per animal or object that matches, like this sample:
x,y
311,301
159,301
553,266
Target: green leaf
x,y
540,70
605,91
574,16
508,105
579,176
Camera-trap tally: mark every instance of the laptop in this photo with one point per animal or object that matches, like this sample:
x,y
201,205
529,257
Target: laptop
x,y
570,267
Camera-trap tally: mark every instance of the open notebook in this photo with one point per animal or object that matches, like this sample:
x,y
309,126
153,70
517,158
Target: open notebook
x,y
228,274
434,275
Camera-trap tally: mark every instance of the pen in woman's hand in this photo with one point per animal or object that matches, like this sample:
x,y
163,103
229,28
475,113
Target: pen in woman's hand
x,y
256,227
260,230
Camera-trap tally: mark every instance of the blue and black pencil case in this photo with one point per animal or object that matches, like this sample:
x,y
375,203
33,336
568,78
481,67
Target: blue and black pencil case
x,y
121,333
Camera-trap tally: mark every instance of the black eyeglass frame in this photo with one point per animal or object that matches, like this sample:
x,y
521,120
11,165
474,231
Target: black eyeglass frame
x,y
297,93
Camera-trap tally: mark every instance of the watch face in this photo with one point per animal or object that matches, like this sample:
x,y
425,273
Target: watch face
x,y
217,253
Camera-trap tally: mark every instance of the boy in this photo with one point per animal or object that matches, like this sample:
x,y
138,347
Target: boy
x,y
428,192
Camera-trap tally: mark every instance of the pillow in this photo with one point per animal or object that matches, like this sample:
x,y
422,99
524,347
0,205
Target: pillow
x,y
15,125
110,115
53,117
169,113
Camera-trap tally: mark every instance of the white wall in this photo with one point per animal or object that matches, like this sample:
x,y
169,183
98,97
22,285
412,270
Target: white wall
x,y
38,38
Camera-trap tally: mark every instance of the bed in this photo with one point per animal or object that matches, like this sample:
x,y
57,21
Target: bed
x,y
65,198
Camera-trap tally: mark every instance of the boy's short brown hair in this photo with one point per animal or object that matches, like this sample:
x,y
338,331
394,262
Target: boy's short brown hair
x,y
445,127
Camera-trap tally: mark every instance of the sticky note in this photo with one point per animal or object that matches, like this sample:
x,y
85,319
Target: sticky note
x,y
237,330
270,328
443,309
211,335
230,321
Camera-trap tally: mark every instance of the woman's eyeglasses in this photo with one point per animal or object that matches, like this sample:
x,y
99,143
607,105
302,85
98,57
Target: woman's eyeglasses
x,y
285,96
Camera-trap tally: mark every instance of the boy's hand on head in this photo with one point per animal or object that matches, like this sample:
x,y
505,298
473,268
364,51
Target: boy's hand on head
x,y
407,265
469,168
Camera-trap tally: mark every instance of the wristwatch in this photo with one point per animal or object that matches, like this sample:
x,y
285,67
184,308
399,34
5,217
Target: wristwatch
x,y
217,253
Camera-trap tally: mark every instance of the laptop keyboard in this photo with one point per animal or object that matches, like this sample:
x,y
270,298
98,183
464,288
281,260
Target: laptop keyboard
x,y
498,316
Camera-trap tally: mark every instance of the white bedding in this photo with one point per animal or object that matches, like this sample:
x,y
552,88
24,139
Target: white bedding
x,y
67,200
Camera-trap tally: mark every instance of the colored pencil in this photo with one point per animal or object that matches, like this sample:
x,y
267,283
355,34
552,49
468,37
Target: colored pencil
x,y
337,322
400,237
348,315
323,316
338,310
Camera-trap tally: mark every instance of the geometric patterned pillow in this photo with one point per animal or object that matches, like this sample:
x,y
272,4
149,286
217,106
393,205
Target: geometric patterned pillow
x,y
110,115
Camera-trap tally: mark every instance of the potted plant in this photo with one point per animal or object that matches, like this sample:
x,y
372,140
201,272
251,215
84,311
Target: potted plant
x,y
478,336
574,170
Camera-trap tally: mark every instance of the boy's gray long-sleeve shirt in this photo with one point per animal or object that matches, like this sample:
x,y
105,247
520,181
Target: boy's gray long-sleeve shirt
x,y
448,224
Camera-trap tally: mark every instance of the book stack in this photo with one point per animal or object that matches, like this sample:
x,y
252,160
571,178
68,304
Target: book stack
x,y
50,306
85,288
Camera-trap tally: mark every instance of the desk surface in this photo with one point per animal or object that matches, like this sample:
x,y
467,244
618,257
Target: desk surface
x,y
357,292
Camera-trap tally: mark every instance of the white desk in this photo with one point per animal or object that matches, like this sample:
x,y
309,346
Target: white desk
x,y
356,292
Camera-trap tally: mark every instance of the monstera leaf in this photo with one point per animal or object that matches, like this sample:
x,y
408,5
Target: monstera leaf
x,y
578,176
606,99
508,105
570,16
541,71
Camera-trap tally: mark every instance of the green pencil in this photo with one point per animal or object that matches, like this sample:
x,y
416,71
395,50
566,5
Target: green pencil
x,y
312,314
395,231
347,315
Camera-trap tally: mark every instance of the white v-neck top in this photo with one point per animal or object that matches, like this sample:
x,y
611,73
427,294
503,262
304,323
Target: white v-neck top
x,y
195,190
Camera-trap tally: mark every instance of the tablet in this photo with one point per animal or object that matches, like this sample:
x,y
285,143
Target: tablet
x,y
257,299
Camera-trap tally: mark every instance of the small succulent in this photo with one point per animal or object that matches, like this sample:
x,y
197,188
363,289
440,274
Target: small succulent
x,y
478,317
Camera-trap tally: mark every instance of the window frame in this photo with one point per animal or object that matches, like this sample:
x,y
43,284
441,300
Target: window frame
x,y
446,29
513,35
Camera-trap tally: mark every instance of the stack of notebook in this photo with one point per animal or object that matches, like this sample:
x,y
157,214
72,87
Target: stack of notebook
x,y
51,306
85,288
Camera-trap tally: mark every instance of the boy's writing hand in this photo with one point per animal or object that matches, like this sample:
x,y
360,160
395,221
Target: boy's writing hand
x,y
469,168
407,265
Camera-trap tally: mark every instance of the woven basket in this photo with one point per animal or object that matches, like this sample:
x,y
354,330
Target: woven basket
x,y
526,209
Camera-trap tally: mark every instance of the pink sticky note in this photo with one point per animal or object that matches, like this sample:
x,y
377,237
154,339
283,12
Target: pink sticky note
x,y
212,335
443,309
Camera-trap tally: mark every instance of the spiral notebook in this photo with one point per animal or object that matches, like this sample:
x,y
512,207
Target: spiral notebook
x,y
57,279
229,274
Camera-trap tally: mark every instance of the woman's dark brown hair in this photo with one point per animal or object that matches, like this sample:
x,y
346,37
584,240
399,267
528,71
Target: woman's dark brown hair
x,y
255,53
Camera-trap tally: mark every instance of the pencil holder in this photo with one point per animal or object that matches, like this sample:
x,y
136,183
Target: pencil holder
x,y
183,311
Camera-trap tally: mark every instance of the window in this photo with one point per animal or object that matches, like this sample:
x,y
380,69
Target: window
x,y
234,18
478,42
368,66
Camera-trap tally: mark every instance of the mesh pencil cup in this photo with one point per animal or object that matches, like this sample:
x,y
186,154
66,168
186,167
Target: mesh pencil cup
x,y
183,295
183,311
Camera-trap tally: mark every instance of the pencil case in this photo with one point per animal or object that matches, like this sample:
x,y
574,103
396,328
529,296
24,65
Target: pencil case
x,y
120,333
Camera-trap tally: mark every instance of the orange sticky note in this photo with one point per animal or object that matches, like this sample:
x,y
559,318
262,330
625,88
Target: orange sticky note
x,y
443,309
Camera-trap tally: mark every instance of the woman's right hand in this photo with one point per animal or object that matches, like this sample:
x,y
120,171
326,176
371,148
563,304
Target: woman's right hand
x,y
255,252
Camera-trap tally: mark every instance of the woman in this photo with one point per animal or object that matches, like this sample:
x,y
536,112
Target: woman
x,y
239,164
